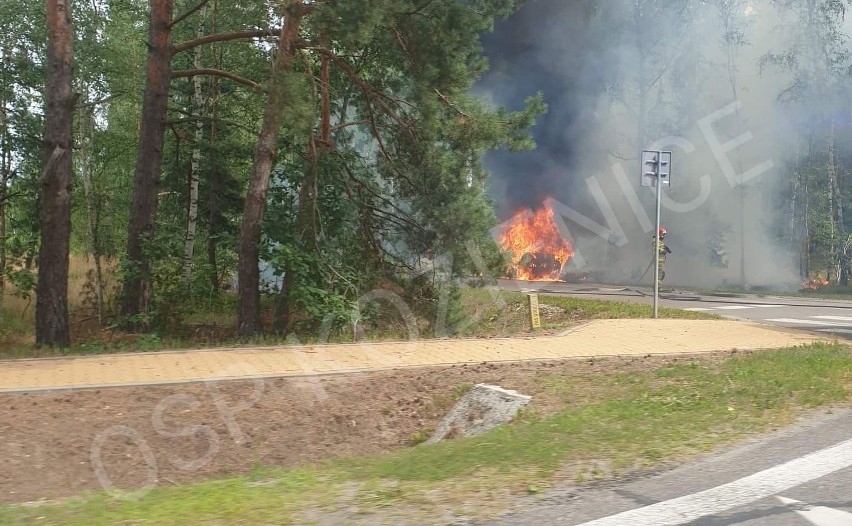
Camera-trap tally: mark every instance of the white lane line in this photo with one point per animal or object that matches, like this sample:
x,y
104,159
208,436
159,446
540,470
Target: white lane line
x,y
734,307
809,322
836,318
760,485
818,515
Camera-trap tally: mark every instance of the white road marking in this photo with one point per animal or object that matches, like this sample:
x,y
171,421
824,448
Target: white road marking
x,y
819,515
760,485
835,318
736,307
810,322
839,331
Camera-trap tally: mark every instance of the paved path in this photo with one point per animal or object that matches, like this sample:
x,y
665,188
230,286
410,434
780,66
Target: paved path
x,y
597,338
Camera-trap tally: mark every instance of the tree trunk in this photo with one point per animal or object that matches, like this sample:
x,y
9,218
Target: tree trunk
x,y
837,210
212,196
807,240
146,177
248,302
728,16
306,237
5,171
192,216
639,32
213,189
86,119
306,227
52,288
795,183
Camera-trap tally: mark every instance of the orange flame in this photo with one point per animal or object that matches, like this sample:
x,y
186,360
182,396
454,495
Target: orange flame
x,y
815,282
538,252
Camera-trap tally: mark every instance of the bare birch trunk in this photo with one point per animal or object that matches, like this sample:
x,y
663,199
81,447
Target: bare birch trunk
x,y
807,241
195,165
213,183
85,139
5,172
836,211
213,188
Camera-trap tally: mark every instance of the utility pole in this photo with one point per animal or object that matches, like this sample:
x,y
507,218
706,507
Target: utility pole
x,y
656,168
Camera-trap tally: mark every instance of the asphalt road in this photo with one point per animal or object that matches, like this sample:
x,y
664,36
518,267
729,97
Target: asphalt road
x,y
796,477
822,316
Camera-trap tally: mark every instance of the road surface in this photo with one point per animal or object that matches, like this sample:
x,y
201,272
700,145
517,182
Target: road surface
x,y
823,316
797,477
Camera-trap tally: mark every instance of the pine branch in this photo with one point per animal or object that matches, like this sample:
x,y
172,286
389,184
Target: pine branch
x,y
348,124
403,216
377,135
370,91
224,37
189,13
451,104
218,73
92,104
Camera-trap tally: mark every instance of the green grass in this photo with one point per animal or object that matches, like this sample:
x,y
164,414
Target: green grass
x,y
508,313
629,420
12,323
600,309
222,502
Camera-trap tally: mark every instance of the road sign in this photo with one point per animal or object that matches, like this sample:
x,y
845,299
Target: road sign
x,y
535,315
656,172
649,168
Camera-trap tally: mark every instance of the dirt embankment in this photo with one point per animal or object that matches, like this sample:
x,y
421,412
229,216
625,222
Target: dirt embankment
x,y
58,445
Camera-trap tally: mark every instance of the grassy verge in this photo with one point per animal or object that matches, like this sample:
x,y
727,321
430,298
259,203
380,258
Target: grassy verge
x,y
827,292
509,313
623,422
484,313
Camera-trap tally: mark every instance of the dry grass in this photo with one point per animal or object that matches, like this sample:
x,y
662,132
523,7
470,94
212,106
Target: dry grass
x,y
17,313
484,313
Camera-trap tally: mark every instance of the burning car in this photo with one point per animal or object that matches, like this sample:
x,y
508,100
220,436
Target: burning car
x,y
537,251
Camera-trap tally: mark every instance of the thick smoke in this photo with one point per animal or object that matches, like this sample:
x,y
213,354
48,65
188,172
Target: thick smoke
x,y
719,108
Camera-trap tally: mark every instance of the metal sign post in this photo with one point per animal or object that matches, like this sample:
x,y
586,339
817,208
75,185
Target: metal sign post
x,y
656,167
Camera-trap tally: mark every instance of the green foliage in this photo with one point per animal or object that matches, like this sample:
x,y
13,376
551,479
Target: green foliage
x,y
400,184
23,280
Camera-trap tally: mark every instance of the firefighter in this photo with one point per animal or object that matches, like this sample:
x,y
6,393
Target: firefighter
x,y
664,251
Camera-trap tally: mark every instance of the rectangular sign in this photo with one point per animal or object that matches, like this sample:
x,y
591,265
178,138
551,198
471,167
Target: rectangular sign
x,y
535,315
648,176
